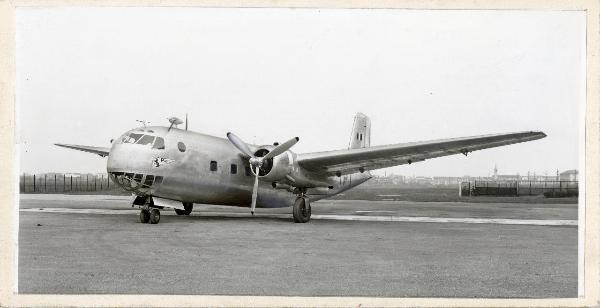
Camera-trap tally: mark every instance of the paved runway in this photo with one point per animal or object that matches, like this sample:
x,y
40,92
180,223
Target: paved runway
x,y
95,244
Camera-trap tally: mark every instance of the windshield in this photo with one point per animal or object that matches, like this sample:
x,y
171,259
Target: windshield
x,y
137,138
146,139
131,138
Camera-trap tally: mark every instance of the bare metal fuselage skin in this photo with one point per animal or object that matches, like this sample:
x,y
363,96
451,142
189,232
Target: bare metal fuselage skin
x,y
186,175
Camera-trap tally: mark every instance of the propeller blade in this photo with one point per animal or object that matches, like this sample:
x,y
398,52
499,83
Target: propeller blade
x,y
254,191
240,144
282,148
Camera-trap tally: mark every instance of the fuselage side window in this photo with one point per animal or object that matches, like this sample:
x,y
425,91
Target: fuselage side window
x,y
146,139
233,169
159,143
213,165
158,180
248,171
181,146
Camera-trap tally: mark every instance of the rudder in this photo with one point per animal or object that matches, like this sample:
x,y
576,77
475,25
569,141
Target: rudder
x,y
361,132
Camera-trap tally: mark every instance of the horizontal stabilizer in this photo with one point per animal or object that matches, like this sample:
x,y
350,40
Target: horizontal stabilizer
x,y
96,150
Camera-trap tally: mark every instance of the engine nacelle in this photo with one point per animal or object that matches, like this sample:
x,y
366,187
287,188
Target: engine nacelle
x,y
273,169
282,186
284,169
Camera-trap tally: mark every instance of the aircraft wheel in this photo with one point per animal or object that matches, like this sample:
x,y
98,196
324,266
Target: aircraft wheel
x,y
154,216
301,210
188,208
144,216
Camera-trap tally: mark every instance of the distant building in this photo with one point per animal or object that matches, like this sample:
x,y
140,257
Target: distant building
x,y
508,177
504,177
569,175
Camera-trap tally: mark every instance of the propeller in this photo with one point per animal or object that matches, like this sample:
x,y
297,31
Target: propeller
x,y
256,161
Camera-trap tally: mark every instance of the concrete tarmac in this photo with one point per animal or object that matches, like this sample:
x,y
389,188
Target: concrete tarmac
x,y
96,245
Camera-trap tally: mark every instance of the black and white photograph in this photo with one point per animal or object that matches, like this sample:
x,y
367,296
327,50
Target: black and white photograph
x,y
302,152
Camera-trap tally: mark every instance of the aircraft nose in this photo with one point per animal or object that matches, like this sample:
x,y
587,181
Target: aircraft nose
x,y
118,159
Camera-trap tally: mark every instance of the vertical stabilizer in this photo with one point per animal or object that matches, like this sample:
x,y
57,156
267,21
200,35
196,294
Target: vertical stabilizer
x,y
361,132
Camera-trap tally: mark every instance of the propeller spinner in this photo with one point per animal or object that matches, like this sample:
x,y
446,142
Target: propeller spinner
x,y
256,161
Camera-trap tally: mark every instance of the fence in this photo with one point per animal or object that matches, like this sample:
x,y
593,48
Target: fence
x,y
519,188
60,183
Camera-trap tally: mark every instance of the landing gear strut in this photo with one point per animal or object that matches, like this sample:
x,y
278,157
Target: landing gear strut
x,y
301,209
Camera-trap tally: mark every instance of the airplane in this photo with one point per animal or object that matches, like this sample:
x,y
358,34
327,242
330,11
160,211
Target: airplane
x,y
168,167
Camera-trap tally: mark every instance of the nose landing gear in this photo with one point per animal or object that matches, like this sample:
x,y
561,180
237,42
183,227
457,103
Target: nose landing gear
x,y
154,216
144,216
148,213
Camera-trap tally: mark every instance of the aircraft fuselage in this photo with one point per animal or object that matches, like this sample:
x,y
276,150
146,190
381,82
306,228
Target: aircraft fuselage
x,y
196,168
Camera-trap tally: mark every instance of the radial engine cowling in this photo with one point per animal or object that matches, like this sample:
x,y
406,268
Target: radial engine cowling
x,y
273,169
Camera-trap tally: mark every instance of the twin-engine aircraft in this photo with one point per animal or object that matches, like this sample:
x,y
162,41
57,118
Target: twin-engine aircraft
x,y
168,167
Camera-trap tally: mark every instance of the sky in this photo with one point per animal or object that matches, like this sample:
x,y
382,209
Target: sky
x,y
85,75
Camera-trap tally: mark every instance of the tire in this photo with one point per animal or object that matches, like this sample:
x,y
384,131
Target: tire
x,y
302,210
144,216
188,208
180,212
154,216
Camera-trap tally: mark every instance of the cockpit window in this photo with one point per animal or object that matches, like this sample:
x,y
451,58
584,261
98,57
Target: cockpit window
x,y
159,143
131,138
146,139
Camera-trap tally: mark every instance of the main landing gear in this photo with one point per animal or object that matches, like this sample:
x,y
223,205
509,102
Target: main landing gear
x,y
301,209
187,209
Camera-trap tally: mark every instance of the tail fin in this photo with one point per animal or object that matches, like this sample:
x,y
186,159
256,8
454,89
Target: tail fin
x,y
361,132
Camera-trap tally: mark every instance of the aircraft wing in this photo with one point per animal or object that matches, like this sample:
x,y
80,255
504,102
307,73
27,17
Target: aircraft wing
x,y
376,157
96,150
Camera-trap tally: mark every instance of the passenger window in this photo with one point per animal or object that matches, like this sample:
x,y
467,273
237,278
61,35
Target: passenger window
x,y
248,171
360,137
159,143
213,165
181,146
158,180
233,169
138,177
146,139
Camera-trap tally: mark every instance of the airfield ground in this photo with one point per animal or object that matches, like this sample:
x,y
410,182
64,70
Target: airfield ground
x,y
95,244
